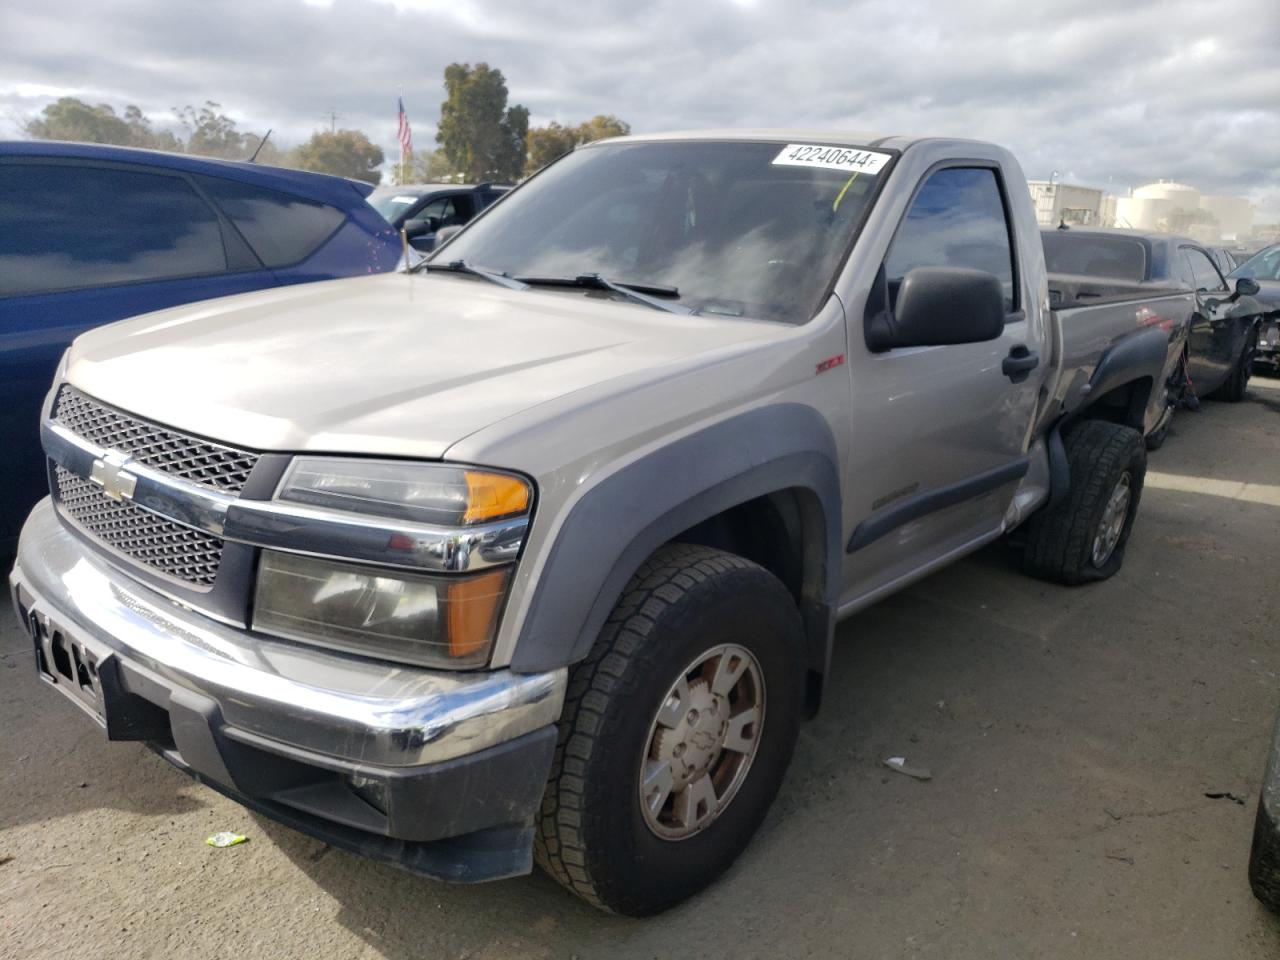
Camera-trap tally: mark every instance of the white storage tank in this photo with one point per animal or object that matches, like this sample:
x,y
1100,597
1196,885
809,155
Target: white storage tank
x,y
1179,195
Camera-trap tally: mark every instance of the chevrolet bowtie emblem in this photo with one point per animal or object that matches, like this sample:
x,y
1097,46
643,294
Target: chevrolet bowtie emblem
x,y
110,474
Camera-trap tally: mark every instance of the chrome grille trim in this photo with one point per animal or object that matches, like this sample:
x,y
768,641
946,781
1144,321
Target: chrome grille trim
x,y
182,553
297,527
202,461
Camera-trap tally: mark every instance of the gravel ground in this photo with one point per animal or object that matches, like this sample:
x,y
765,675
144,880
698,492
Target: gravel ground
x,y
1072,735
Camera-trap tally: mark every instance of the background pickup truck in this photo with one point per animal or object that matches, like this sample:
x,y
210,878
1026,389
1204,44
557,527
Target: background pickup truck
x,y
538,551
1152,279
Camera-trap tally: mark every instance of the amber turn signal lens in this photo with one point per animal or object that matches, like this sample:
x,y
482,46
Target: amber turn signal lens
x,y
494,495
473,612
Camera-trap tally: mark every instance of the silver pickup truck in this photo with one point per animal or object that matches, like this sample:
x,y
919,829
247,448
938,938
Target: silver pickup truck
x,y
537,552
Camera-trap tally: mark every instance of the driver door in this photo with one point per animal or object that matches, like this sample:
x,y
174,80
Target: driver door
x,y
1211,344
939,433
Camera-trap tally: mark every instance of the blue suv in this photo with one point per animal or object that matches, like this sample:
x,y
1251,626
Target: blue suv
x,y
90,234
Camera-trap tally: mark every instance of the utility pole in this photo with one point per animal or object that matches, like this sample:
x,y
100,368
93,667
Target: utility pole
x,y
332,116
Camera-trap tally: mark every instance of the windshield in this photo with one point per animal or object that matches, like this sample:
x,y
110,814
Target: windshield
x,y
392,201
738,229
1263,265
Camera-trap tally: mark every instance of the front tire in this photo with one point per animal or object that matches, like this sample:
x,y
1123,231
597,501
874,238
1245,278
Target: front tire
x,y
676,732
1264,860
1082,538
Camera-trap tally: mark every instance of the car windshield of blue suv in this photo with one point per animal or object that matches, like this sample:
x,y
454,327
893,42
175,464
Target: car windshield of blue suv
x,y
721,228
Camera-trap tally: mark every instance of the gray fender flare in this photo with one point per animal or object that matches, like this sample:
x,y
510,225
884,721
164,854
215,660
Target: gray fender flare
x,y
621,521
1139,356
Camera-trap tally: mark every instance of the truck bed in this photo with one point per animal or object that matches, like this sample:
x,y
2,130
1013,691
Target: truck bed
x,y
1079,290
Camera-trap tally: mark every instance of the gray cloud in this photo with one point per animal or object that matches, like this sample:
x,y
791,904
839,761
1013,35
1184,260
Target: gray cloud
x,y
1106,93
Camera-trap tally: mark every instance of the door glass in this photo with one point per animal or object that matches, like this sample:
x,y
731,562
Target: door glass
x,y
64,227
281,228
449,210
1183,264
436,208
956,220
1204,273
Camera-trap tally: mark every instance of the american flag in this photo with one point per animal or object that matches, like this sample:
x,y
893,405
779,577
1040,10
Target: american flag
x,y
404,134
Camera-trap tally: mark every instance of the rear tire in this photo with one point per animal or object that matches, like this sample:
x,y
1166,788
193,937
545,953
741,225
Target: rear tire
x,y
1082,538
596,835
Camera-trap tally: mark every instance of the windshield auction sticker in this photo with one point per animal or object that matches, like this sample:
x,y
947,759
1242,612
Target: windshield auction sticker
x,y
850,159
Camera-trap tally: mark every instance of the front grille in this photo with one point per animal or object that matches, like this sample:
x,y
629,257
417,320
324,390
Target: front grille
x,y
169,548
181,456
172,549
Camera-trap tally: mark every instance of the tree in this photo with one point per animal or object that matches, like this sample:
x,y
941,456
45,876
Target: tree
x,y
481,136
70,119
548,143
344,153
554,141
426,166
214,134
141,134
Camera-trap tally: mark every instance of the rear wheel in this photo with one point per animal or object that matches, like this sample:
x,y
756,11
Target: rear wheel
x,y
677,730
1082,538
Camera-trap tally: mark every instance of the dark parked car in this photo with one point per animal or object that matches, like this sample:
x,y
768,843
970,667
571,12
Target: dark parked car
x,y
90,234
1264,268
1264,859
1115,263
424,209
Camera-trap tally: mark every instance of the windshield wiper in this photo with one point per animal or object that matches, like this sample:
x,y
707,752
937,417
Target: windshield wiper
x,y
461,266
632,291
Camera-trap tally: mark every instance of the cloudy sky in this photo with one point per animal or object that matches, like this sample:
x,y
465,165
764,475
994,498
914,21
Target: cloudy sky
x,y
1113,93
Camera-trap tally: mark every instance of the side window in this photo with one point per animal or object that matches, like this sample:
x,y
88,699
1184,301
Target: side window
x,y
1205,275
281,228
449,210
956,220
67,227
1184,271
440,209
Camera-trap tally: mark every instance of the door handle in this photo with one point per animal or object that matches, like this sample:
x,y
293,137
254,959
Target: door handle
x,y
1019,363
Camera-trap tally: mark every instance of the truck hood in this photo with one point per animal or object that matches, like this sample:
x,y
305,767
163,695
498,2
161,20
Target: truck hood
x,y
392,365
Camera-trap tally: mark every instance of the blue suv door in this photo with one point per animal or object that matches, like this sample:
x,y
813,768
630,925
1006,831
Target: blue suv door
x,y
83,244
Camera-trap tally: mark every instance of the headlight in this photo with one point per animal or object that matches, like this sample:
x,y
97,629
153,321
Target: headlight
x,y
435,621
434,493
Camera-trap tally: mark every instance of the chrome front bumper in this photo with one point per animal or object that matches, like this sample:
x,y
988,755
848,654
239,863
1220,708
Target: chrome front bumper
x,y
270,692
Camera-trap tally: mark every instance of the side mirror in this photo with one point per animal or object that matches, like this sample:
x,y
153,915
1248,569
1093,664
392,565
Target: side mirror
x,y
417,228
1247,287
445,234
938,306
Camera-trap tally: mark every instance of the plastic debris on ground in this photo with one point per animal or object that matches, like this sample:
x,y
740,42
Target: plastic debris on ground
x,y
225,839
900,765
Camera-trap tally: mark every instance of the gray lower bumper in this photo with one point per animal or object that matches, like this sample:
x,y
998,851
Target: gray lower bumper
x,y
375,757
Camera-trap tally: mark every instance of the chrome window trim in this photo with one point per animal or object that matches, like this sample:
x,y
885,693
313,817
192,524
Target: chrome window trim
x,y
297,528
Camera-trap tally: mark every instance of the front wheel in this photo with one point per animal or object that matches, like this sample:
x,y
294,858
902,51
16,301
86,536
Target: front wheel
x,y
1082,538
676,733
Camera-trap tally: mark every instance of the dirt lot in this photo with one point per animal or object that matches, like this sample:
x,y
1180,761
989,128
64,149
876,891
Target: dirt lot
x,y
1072,736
